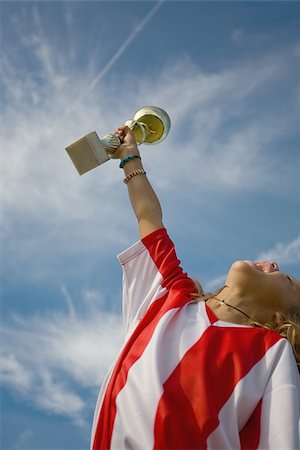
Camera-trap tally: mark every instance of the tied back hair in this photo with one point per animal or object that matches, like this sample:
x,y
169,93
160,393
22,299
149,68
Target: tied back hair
x,y
288,327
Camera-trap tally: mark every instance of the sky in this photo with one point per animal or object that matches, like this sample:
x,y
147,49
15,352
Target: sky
x,y
227,175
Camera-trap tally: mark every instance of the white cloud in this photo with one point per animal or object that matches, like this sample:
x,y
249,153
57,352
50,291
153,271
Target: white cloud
x,y
123,47
220,140
14,373
22,440
49,359
55,397
216,282
283,253
42,188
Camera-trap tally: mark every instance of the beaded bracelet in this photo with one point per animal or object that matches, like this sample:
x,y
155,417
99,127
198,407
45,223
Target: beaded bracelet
x,y
128,158
133,174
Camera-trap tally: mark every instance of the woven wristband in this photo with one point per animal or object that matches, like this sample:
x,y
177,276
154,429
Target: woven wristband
x,y
133,174
126,159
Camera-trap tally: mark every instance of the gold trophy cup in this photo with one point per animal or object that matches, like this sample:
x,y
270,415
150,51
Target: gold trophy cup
x,y
150,125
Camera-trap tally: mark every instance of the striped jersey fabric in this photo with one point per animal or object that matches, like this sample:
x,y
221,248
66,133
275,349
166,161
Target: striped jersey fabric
x,y
186,380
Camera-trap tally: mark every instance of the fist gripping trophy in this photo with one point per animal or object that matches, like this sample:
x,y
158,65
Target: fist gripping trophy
x,y
149,125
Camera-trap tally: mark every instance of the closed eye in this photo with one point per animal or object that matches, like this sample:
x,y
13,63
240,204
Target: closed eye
x,y
290,280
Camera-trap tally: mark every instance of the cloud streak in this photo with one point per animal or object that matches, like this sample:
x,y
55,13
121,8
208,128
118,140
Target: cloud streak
x,y
51,359
43,188
133,35
286,253
230,139
121,50
283,252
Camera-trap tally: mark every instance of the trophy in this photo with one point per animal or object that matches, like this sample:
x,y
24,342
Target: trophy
x,y
149,125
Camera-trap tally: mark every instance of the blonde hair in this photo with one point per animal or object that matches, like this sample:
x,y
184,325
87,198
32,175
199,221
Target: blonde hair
x,y
288,327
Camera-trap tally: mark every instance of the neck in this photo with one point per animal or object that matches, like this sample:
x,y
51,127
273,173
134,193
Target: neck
x,y
226,307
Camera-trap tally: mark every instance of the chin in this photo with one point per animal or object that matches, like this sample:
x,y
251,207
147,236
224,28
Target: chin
x,y
242,265
239,273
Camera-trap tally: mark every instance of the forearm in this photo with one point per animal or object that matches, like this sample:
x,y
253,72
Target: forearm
x,y
144,201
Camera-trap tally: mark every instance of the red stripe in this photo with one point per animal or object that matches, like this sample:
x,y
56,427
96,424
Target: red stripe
x,y
211,315
163,254
203,381
131,353
250,434
161,250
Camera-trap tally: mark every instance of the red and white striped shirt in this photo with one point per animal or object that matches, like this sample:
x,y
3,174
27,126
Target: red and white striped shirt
x,y
186,380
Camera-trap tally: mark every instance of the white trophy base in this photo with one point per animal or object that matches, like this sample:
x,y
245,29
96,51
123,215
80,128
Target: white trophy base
x,y
87,152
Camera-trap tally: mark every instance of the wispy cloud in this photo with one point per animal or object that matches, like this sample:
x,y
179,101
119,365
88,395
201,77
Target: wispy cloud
x,y
50,359
123,47
224,133
43,187
283,252
216,282
22,440
221,129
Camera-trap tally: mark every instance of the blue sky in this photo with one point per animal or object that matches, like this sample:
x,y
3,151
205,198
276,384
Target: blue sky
x,y
227,176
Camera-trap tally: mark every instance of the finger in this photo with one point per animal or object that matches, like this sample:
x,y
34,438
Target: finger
x,y
124,129
120,135
119,132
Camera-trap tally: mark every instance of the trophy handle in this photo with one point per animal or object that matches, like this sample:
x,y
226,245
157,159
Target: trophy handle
x,y
139,129
154,121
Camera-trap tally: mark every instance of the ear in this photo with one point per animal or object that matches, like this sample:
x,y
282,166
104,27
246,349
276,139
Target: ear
x,y
278,318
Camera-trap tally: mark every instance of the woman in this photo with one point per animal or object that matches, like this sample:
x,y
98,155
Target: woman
x,y
197,371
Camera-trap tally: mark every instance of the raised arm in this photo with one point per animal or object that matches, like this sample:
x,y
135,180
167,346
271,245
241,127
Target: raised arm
x,y
143,199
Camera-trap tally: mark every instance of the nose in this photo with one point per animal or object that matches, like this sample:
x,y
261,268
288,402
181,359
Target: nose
x,y
274,266
267,267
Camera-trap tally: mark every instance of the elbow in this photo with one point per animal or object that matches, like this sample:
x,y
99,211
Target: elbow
x,y
150,215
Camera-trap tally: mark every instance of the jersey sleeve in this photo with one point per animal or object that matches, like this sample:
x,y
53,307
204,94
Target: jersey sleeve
x,y
281,404
150,270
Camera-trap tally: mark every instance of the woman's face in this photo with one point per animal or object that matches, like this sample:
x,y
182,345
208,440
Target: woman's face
x,y
266,284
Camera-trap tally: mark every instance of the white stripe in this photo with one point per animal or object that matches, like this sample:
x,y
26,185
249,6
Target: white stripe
x,y
101,397
137,297
281,405
137,403
141,283
222,324
141,287
247,393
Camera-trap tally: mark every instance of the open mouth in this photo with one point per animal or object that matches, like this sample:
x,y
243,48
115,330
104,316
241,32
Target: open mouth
x,y
264,266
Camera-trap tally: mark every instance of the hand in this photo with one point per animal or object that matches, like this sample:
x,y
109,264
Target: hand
x,y
128,146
